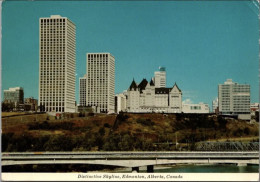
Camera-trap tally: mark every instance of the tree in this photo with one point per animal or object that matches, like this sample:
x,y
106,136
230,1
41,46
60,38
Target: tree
x,y
257,116
7,107
222,122
102,131
126,143
59,143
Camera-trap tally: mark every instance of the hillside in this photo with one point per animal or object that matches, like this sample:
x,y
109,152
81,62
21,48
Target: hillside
x,y
120,132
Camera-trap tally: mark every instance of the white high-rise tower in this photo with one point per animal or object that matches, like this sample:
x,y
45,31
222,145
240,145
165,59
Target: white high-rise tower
x,y
57,64
101,81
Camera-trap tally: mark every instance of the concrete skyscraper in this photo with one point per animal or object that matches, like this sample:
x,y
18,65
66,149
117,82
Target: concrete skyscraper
x,y
234,99
57,61
101,81
160,78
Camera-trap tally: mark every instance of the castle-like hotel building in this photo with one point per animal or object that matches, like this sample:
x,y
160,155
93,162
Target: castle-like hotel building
x,y
153,97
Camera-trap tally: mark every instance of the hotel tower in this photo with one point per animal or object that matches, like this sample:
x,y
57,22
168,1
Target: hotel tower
x,y
57,62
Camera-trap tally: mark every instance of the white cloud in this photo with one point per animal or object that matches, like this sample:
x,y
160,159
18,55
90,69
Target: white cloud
x,y
187,101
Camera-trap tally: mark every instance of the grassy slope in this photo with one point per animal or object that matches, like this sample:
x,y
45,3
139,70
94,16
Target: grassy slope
x,y
84,133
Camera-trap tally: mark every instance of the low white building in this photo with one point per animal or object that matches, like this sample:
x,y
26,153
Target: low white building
x,y
254,107
145,97
195,108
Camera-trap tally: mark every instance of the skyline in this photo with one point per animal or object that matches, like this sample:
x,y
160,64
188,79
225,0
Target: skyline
x,y
195,41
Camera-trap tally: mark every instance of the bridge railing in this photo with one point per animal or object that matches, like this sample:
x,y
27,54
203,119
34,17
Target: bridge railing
x,y
227,146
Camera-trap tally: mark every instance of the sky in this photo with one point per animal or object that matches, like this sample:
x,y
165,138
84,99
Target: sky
x,y
201,43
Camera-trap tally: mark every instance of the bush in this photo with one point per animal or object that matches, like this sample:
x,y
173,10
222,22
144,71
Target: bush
x,y
122,117
106,125
102,131
91,114
51,126
59,143
146,122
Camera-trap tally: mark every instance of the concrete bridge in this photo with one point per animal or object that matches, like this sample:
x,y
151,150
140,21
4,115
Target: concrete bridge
x,y
130,159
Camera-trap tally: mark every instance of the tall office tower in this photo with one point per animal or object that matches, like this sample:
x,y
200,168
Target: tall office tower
x,y
14,95
57,64
234,99
83,91
101,81
160,78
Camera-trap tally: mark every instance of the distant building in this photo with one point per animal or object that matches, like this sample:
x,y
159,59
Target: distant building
x,y
145,97
254,107
234,99
31,104
215,106
14,95
101,81
57,64
120,102
83,91
86,109
195,108
160,78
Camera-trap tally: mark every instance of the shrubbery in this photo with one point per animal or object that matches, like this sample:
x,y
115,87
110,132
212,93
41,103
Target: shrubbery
x,y
64,125
100,135
146,122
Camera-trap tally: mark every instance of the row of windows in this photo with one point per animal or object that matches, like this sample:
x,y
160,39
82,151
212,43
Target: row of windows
x,y
53,27
94,63
57,109
54,103
52,64
97,55
54,84
195,107
50,103
47,20
52,35
52,70
53,39
52,49
51,93
57,77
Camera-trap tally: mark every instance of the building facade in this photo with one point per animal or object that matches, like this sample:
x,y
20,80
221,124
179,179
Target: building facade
x,y
146,97
234,99
215,106
254,108
57,64
195,108
160,78
120,102
83,91
14,95
100,81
